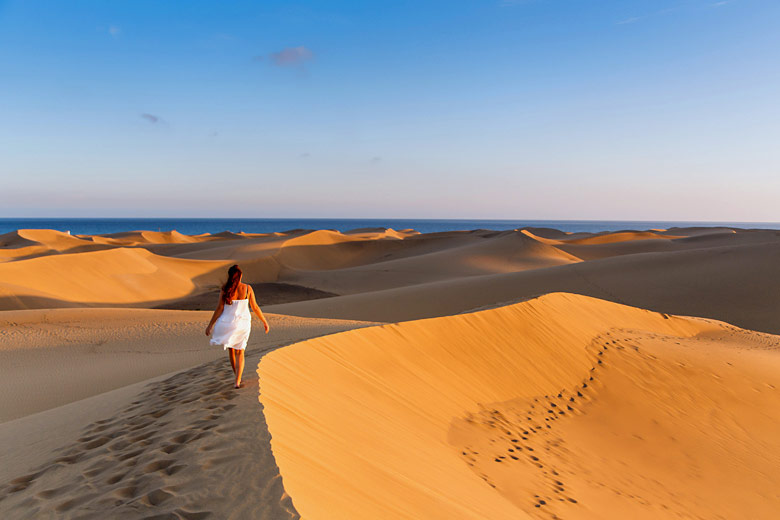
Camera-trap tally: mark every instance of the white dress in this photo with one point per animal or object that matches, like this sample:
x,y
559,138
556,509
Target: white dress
x,y
232,328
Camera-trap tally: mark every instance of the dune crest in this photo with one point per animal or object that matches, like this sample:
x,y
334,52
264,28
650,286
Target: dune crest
x,y
505,413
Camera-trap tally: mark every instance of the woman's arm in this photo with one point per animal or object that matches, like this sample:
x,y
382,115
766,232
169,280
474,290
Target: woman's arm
x,y
253,304
216,315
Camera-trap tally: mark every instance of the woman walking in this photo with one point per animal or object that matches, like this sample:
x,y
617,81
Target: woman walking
x,y
232,319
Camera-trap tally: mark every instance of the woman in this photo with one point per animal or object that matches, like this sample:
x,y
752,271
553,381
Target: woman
x,y
232,320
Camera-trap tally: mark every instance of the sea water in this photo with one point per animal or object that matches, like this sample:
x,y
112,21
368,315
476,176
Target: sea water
x,y
196,226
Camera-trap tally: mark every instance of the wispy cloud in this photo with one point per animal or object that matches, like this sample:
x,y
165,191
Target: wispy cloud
x,y
151,118
291,56
512,3
114,31
690,6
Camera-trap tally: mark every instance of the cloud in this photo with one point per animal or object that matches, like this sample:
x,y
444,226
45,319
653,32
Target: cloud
x,y
633,19
151,118
114,31
291,56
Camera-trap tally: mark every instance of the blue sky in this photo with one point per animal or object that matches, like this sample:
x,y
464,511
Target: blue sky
x,y
548,109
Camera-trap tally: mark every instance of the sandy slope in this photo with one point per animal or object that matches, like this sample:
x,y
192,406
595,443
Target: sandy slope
x,y
584,408
88,428
85,352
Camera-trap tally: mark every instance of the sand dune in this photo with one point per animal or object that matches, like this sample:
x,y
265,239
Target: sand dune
x,y
108,277
738,284
30,243
86,433
510,412
402,421
500,253
372,269
623,236
148,237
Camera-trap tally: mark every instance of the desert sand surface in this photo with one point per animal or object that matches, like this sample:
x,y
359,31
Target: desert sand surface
x,y
387,275
98,416
113,400
560,407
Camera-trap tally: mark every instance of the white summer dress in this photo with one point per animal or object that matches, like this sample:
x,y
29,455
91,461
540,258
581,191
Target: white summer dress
x,y
232,328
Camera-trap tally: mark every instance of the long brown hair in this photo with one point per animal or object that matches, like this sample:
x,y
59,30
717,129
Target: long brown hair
x,y
231,286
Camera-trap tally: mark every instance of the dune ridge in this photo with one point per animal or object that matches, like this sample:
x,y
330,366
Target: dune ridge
x,y
438,418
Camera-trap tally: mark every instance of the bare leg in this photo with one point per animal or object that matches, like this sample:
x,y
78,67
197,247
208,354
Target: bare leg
x,y
239,367
232,353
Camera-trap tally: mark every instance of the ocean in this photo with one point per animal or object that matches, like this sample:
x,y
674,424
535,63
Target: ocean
x,y
195,226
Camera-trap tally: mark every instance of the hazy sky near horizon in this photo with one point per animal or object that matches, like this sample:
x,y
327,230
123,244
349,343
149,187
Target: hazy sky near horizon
x,y
517,109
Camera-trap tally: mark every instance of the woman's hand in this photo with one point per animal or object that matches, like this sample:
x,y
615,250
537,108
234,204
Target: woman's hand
x,y
208,330
267,328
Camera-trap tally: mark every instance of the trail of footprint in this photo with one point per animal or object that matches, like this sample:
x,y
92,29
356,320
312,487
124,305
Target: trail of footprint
x,y
120,455
525,434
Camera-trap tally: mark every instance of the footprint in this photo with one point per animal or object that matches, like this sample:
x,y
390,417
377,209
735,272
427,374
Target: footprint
x,y
157,497
115,478
158,465
194,515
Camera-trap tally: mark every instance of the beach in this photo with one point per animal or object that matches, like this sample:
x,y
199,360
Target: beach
x,y
525,373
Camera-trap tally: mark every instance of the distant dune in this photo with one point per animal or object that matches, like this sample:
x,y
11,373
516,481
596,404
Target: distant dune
x,y
387,275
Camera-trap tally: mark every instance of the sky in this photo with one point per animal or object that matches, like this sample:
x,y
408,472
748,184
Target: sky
x,y
513,109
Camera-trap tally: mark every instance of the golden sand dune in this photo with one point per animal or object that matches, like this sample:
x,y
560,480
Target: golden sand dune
x,y
107,277
383,232
563,405
30,243
149,237
448,259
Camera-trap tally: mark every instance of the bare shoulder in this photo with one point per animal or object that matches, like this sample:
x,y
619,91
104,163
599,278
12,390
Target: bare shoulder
x,y
248,290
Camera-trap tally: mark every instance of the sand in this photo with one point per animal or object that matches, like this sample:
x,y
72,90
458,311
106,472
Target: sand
x,y
98,416
112,400
563,406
